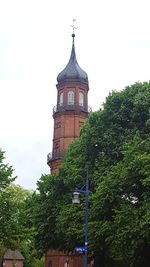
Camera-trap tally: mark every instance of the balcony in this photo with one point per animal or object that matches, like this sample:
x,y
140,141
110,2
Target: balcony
x,y
62,108
54,155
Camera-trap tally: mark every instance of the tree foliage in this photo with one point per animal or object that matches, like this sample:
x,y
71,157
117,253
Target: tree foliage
x,y
115,144
5,211
16,225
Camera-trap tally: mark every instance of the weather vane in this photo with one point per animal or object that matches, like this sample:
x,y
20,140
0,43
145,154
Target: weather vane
x,y
73,26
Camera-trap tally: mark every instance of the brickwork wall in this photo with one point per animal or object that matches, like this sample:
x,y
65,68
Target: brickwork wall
x,y
55,165
10,263
67,126
59,259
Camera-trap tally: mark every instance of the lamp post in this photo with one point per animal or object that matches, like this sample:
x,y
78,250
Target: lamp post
x,y
76,200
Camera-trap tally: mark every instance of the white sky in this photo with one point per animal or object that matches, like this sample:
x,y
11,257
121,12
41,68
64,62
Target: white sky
x,y
112,46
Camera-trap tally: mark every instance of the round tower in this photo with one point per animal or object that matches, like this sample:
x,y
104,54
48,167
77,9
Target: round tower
x,y
71,109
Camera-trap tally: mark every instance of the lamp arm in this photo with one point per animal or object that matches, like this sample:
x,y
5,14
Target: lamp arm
x,y
80,191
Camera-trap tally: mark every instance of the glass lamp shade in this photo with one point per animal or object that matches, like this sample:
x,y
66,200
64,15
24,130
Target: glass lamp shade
x,y
76,198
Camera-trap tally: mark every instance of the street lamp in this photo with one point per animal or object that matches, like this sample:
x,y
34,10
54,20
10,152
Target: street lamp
x,y
76,200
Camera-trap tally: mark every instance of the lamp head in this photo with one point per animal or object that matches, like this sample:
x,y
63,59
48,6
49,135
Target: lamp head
x,y
76,198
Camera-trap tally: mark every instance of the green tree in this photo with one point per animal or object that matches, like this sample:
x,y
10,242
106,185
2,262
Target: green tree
x,y
6,178
114,143
121,206
5,173
16,225
22,230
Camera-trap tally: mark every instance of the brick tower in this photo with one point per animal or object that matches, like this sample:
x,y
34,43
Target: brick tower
x,y
69,115
71,110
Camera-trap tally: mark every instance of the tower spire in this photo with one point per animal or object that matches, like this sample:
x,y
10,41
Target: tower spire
x,y
72,71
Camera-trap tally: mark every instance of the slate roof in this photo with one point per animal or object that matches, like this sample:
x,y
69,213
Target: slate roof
x,y
13,254
72,72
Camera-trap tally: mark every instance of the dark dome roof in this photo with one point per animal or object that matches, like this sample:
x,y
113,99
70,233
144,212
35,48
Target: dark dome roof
x,y
72,72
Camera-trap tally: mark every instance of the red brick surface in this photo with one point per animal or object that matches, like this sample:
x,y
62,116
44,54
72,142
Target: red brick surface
x,y
67,126
55,258
12,263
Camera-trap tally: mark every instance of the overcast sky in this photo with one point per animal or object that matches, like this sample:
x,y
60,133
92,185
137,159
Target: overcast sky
x,y
112,45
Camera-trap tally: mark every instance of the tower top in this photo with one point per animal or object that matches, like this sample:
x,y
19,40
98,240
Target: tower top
x,y
74,28
73,72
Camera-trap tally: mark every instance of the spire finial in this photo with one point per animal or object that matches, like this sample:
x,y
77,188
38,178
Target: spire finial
x,y
74,28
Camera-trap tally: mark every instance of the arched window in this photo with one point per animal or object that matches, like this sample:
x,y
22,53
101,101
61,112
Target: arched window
x,y
61,99
70,99
81,99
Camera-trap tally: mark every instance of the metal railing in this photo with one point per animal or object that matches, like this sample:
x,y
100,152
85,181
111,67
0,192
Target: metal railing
x,y
54,155
59,108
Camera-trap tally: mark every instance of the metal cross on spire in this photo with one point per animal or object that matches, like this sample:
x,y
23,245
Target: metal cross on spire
x,y
74,28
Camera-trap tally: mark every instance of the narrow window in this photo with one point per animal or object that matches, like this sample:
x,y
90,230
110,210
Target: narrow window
x,y
81,99
61,99
70,98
